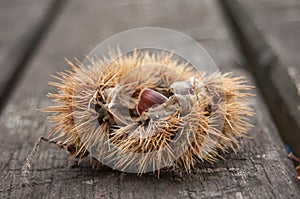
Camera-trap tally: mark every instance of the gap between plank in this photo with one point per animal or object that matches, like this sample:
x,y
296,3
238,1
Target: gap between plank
x,y
268,71
28,52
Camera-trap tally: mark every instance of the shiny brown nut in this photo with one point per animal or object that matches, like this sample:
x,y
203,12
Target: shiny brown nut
x,y
149,98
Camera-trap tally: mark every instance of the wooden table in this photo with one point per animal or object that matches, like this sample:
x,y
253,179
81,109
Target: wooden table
x,y
268,35
260,169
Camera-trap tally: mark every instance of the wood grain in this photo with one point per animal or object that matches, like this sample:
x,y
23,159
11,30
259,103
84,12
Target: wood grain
x,y
23,25
261,168
268,34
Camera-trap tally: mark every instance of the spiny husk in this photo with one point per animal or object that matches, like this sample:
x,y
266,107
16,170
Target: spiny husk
x,y
81,122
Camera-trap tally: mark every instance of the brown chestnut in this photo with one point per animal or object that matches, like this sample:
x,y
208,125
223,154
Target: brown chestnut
x,y
149,98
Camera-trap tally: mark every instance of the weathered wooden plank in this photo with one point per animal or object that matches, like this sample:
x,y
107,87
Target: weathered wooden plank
x,y
261,168
23,24
269,33
279,23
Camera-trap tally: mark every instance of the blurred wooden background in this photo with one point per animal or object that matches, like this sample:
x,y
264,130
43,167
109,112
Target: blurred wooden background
x,y
258,39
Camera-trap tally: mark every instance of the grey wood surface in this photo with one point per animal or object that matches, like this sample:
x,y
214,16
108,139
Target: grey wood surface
x,y
279,22
23,24
260,169
268,33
